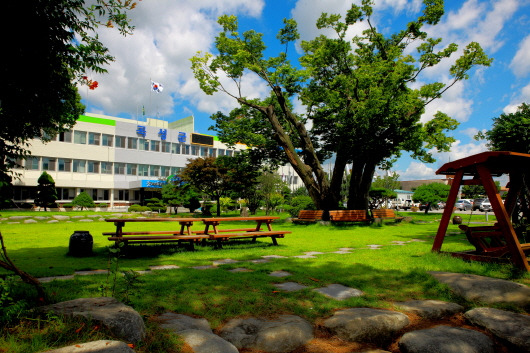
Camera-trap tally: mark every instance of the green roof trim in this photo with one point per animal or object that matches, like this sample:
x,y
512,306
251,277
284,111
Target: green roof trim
x,y
93,120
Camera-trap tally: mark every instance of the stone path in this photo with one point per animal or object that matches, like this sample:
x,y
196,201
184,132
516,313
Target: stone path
x,y
375,327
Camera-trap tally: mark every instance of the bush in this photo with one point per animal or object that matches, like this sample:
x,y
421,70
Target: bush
x,y
84,200
299,203
68,205
156,205
102,205
138,208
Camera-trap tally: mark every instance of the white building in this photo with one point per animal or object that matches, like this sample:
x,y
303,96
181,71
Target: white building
x,y
117,161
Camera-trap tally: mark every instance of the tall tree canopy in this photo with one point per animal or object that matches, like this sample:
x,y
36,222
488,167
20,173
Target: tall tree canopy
x,y
49,47
361,108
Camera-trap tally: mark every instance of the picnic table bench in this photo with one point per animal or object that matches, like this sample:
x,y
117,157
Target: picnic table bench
x,y
307,216
186,235
385,213
349,216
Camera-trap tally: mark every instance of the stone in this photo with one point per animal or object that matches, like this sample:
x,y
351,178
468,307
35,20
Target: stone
x,y
77,217
430,309
224,262
178,322
102,346
339,292
204,342
205,267
259,261
91,272
61,218
240,269
305,257
49,279
19,218
279,274
511,327
289,286
274,257
30,221
41,218
313,253
485,289
284,334
366,324
86,220
164,267
53,221
122,320
445,339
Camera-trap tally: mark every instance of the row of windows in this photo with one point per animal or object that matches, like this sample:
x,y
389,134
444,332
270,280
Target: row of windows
x,y
28,193
97,167
135,143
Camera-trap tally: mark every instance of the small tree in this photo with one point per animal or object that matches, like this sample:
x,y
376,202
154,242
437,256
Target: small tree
x,y
379,197
46,192
83,200
430,193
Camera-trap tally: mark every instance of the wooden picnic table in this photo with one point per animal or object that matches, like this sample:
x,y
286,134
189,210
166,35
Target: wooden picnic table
x,y
186,234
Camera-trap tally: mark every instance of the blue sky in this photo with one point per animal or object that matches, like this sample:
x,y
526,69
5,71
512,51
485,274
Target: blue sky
x,y
169,32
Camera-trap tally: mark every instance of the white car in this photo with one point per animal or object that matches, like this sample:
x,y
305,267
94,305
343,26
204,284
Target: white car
x,y
463,205
485,206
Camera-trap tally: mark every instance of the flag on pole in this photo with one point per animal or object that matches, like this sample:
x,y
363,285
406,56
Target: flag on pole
x,y
157,87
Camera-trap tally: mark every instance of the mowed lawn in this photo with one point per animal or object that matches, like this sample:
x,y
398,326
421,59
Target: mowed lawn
x,y
386,275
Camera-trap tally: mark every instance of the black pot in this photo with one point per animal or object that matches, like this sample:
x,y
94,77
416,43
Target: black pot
x,y
457,220
81,243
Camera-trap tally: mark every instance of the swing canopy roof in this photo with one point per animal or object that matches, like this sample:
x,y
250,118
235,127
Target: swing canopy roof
x,y
497,162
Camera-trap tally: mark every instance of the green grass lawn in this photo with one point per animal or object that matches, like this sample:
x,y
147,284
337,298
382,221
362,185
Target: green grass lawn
x,y
392,273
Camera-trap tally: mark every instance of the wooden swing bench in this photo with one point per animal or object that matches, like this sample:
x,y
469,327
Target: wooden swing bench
x,y
489,240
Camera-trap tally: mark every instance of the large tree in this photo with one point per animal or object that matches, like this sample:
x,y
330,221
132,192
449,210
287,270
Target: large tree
x,y
49,47
360,104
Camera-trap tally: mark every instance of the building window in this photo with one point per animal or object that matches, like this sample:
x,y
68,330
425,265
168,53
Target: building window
x,y
32,163
80,137
143,170
79,166
93,167
132,143
194,150
164,171
166,147
48,163
143,145
221,152
186,149
155,145
106,167
122,195
66,193
120,141
93,138
64,165
229,153
154,170
65,136
175,148
212,152
132,169
106,140
204,151
119,168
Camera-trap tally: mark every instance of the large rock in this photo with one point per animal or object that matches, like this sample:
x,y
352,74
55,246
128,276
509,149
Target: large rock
x,y
284,334
445,339
206,342
511,327
366,325
485,289
103,346
431,309
122,320
196,333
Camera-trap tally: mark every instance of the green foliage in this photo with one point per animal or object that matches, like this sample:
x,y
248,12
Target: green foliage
x,y
357,95
510,132
476,191
379,197
83,200
11,308
193,203
298,203
389,182
46,192
156,205
138,208
65,49
430,193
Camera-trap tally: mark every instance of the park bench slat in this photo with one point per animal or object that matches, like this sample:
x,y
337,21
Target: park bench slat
x,y
386,214
349,216
308,216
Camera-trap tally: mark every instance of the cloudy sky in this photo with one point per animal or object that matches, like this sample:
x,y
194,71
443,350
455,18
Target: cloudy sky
x,y
169,32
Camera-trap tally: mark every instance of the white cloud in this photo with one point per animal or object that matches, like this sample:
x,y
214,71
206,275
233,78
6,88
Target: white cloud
x,y
167,34
417,171
470,132
520,64
459,150
452,103
523,97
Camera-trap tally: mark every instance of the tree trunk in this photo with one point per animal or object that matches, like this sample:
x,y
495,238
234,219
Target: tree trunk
x,y
361,179
217,199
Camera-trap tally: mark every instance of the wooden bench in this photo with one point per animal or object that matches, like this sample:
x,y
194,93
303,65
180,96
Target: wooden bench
x,y
489,240
220,235
385,213
349,216
308,216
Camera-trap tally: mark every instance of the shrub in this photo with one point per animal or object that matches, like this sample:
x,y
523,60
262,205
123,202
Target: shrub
x,y
102,205
299,203
68,205
83,200
139,208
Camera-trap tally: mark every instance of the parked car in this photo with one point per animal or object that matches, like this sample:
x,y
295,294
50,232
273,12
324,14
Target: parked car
x,y
463,205
477,203
485,205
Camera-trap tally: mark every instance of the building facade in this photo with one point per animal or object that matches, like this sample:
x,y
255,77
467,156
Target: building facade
x,y
117,161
